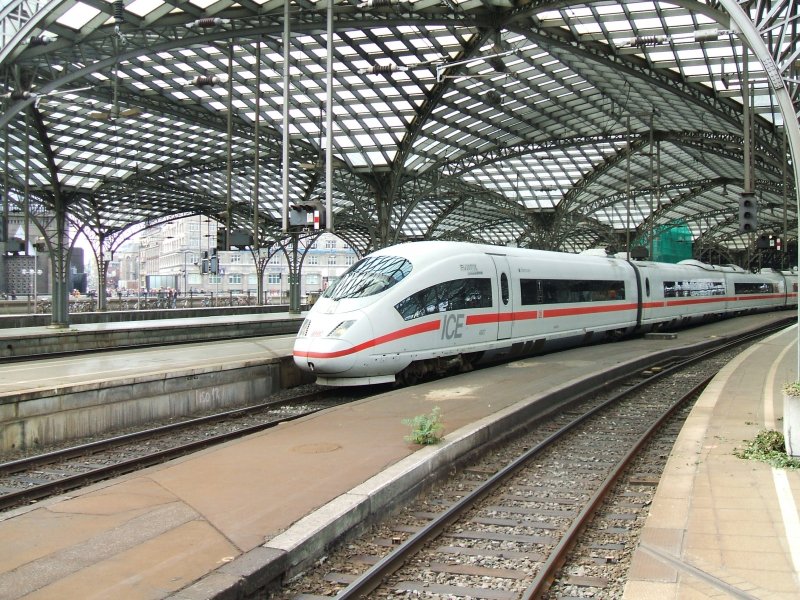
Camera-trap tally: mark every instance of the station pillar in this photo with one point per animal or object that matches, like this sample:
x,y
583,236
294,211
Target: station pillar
x,y
294,277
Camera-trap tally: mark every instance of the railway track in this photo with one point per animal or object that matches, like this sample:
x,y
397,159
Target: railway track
x,y
34,478
504,528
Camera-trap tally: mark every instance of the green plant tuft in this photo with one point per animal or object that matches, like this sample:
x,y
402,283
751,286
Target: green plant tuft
x,y
769,447
792,389
425,429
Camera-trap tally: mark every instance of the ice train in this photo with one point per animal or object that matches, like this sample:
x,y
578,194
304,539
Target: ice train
x,y
412,309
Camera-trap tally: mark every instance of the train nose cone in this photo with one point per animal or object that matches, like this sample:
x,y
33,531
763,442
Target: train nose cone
x,y
329,347
324,356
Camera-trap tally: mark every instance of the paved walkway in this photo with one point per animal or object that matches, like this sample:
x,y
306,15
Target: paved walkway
x,y
721,526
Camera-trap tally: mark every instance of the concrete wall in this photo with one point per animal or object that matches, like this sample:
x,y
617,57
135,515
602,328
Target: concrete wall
x,y
47,417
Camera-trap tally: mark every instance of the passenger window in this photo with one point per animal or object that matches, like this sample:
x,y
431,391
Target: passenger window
x,y
459,294
561,291
369,276
504,288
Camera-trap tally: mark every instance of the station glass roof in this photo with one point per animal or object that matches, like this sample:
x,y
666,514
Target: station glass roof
x,y
558,125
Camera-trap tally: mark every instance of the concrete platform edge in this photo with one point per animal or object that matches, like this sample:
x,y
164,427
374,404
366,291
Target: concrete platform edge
x,y
29,344
668,562
57,414
139,379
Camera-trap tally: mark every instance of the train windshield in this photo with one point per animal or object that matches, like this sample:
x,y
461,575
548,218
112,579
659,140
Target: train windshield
x,y
369,276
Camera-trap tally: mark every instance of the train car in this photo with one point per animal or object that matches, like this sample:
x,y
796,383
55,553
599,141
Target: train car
x,y
412,309
676,295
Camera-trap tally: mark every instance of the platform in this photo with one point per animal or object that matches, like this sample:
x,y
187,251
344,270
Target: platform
x,y
721,526
220,523
45,401
29,342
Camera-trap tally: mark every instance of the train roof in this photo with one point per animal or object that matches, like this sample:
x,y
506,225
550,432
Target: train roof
x,y
415,250
412,250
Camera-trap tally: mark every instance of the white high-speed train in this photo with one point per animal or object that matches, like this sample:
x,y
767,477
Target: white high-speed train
x,y
424,307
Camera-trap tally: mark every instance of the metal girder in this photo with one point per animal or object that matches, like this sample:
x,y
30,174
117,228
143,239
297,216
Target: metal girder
x,y
486,144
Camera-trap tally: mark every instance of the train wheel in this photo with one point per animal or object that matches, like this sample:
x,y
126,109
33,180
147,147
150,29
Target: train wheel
x,y
412,374
615,335
469,361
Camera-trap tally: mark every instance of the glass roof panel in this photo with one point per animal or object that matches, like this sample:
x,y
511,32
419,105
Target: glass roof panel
x,y
78,16
143,8
546,127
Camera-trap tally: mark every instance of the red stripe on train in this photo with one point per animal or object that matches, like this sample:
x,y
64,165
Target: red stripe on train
x,y
586,310
389,337
710,299
501,317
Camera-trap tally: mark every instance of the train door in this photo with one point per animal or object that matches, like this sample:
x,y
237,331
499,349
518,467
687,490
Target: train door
x,y
505,302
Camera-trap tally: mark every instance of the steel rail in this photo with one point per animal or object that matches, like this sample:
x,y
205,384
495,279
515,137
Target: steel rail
x,y
545,576
72,482
22,464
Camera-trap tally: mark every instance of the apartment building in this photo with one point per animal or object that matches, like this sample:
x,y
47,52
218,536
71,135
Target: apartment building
x,y
176,256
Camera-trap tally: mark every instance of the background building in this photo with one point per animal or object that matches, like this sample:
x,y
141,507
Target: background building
x,y
171,257
25,262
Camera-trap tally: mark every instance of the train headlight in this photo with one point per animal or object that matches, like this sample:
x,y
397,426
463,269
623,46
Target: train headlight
x,y
340,329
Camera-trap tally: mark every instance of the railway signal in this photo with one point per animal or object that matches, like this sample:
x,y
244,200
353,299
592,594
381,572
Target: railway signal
x,y
748,219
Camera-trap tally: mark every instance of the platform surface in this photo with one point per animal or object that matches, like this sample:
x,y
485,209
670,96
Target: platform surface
x,y
50,373
179,529
721,526
31,343
122,326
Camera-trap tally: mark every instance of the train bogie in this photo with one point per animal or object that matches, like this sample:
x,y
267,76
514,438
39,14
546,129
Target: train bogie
x,y
432,307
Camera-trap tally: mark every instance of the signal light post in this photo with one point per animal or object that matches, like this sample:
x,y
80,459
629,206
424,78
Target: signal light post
x,y
748,213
